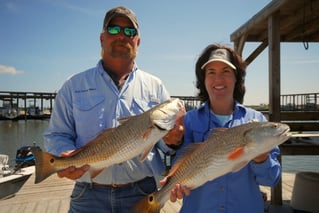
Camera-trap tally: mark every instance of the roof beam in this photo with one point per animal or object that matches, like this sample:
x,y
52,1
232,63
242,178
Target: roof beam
x,y
256,52
259,17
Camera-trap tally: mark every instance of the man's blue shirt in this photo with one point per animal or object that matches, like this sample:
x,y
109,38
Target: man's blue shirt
x,y
90,102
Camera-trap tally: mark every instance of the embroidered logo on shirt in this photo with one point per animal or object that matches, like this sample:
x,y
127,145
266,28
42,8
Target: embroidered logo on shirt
x,y
84,90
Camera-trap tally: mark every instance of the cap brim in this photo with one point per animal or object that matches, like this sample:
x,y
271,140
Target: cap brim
x,y
221,60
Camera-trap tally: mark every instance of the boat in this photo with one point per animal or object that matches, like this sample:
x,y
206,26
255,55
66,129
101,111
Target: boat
x,y
24,157
34,112
13,178
9,110
11,113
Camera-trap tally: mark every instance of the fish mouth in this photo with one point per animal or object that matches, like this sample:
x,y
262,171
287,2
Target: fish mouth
x,y
160,128
166,118
285,133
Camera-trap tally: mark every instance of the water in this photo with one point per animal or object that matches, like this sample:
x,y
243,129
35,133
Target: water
x,y
14,134
298,163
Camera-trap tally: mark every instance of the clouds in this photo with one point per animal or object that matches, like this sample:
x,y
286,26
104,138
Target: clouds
x,y
9,70
9,6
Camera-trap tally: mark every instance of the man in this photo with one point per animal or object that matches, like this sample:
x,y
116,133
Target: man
x,y
94,100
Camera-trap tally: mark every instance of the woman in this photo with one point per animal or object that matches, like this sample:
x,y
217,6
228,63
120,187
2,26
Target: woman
x,y
220,74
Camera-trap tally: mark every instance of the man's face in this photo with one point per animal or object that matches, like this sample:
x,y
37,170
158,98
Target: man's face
x,y
119,45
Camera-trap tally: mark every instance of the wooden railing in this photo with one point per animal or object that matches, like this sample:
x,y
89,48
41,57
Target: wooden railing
x,y
299,121
300,102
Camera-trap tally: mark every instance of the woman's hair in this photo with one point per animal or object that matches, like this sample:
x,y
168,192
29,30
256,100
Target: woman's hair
x,y
240,72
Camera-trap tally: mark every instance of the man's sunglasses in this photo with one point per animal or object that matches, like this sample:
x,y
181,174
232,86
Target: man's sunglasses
x,y
128,31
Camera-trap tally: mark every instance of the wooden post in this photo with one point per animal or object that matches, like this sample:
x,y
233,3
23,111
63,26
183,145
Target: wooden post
x,y
274,87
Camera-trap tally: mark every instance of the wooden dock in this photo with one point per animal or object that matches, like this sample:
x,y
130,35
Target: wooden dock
x,y
53,196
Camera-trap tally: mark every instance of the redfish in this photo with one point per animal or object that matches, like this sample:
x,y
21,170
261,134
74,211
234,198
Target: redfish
x,y
136,135
226,150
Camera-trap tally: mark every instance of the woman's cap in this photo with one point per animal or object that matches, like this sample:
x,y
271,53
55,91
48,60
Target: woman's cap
x,y
120,11
221,55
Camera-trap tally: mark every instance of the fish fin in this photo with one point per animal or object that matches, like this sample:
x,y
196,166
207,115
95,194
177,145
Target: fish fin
x,y
236,153
216,132
94,172
148,149
74,152
44,164
123,120
149,204
147,133
164,181
184,155
146,152
253,121
97,139
239,166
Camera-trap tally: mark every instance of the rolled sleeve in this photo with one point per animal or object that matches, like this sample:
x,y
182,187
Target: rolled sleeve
x,y
268,172
165,149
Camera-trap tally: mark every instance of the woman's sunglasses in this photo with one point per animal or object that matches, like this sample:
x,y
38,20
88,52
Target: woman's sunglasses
x,y
128,31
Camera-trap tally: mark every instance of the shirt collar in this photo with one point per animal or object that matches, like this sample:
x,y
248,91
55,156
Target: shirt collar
x,y
239,109
101,69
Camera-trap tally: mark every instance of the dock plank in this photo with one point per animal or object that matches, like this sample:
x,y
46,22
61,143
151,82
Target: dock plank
x,y
53,196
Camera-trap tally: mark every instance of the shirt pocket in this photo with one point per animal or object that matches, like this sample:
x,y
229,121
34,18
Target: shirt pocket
x,y
86,103
141,105
89,115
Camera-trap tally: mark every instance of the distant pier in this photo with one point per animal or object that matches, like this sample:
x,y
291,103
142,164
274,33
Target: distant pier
x,y
288,102
38,105
25,105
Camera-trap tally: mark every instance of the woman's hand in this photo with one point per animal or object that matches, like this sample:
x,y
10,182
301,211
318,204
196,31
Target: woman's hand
x,y
178,192
261,158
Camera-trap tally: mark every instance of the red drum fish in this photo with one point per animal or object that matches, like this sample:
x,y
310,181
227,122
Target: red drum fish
x,y
136,135
226,150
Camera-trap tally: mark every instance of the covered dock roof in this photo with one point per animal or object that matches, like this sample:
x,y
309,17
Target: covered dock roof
x,y
279,21
296,21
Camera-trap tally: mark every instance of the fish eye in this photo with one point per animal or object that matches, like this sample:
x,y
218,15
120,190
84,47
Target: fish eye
x,y
275,126
52,160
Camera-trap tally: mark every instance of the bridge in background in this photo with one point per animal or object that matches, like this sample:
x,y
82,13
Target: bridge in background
x,y
28,105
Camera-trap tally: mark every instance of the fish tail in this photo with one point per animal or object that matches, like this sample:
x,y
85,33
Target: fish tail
x,y
148,204
44,165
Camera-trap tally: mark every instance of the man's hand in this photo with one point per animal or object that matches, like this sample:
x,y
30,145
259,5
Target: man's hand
x,y
175,135
72,172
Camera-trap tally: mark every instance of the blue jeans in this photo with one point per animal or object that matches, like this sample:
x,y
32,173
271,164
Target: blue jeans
x,y
93,199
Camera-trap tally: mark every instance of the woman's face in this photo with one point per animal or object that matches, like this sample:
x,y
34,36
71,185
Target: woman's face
x,y
220,81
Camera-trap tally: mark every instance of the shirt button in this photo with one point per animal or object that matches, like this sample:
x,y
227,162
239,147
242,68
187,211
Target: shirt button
x,y
221,208
222,188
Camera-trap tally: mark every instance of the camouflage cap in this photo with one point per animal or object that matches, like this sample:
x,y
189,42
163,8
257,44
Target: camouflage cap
x,y
120,11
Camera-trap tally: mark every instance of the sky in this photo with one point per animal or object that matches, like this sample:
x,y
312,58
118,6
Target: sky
x,y
43,42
